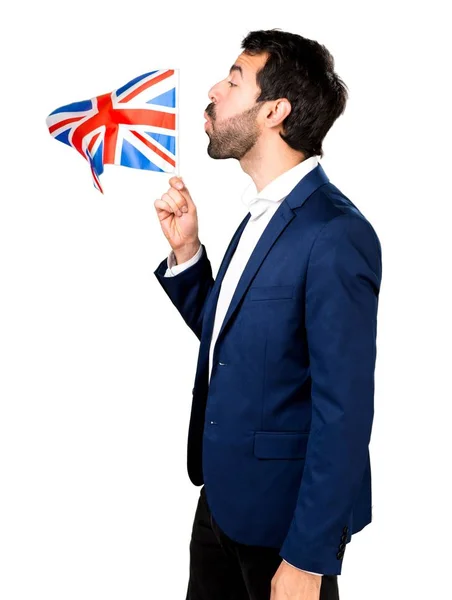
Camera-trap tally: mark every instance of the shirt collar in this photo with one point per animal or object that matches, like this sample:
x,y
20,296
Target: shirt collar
x,y
277,189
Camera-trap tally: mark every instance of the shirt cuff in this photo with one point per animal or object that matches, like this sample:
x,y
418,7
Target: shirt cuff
x,y
311,572
174,268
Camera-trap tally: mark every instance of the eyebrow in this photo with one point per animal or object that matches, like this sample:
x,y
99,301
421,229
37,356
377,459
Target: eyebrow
x,y
236,68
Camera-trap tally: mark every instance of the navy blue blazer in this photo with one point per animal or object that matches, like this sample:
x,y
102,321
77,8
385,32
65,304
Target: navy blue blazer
x,y
280,437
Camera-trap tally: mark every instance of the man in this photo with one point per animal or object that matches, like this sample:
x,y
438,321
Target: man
x,y
282,405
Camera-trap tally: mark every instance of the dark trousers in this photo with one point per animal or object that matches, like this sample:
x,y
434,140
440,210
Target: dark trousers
x,y
223,569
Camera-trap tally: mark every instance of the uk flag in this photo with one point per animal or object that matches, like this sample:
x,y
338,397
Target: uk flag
x,y
134,126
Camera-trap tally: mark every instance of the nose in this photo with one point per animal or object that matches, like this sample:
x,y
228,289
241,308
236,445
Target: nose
x,y
213,97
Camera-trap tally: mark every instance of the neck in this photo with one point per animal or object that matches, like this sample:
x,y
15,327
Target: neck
x,y
264,166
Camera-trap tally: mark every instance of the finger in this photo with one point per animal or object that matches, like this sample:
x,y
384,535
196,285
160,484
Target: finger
x,y
162,209
176,182
172,204
187,197
179,199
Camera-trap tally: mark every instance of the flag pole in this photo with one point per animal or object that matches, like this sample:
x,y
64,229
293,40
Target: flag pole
x,y
177,124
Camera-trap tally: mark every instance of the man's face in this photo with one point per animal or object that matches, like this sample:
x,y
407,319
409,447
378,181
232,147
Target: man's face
x,y
233,126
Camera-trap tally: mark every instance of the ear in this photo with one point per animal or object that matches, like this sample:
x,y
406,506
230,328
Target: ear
x,y
279,111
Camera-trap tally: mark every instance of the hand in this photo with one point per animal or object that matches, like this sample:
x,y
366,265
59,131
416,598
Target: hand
x,y
178,217
289,583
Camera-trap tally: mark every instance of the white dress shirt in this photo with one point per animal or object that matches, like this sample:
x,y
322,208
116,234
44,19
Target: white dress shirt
x,y
262,207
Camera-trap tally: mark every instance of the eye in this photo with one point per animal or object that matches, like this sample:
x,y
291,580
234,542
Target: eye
x,y
232,84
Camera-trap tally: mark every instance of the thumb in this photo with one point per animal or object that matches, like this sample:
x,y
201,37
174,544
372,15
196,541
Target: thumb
x,y
180,185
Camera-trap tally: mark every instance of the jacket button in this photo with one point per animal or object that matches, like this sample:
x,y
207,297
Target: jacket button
x,y
341,546
339,555
343,537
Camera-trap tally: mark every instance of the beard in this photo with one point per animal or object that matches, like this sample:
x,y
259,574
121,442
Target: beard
x,y
235,136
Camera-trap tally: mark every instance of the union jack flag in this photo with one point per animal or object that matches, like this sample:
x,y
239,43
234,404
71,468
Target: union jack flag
x,y
133,126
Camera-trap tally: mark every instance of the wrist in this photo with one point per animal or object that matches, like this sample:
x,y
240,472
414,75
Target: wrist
x,y
186,252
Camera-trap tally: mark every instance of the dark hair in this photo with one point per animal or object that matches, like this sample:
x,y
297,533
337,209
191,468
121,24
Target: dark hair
x,y
301,70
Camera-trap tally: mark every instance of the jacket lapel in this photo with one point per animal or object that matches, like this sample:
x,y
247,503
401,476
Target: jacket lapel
x,y
280,220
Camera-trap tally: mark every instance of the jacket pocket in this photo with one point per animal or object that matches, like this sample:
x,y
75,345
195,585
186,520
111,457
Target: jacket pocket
x,y
270,292
280,444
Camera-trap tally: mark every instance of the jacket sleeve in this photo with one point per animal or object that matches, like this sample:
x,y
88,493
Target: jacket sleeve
x,y
342,287
189,289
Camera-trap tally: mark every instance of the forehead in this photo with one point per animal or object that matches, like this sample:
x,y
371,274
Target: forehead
x,y
248,65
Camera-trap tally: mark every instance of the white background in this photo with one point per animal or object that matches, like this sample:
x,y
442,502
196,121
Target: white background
x,y
97,366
